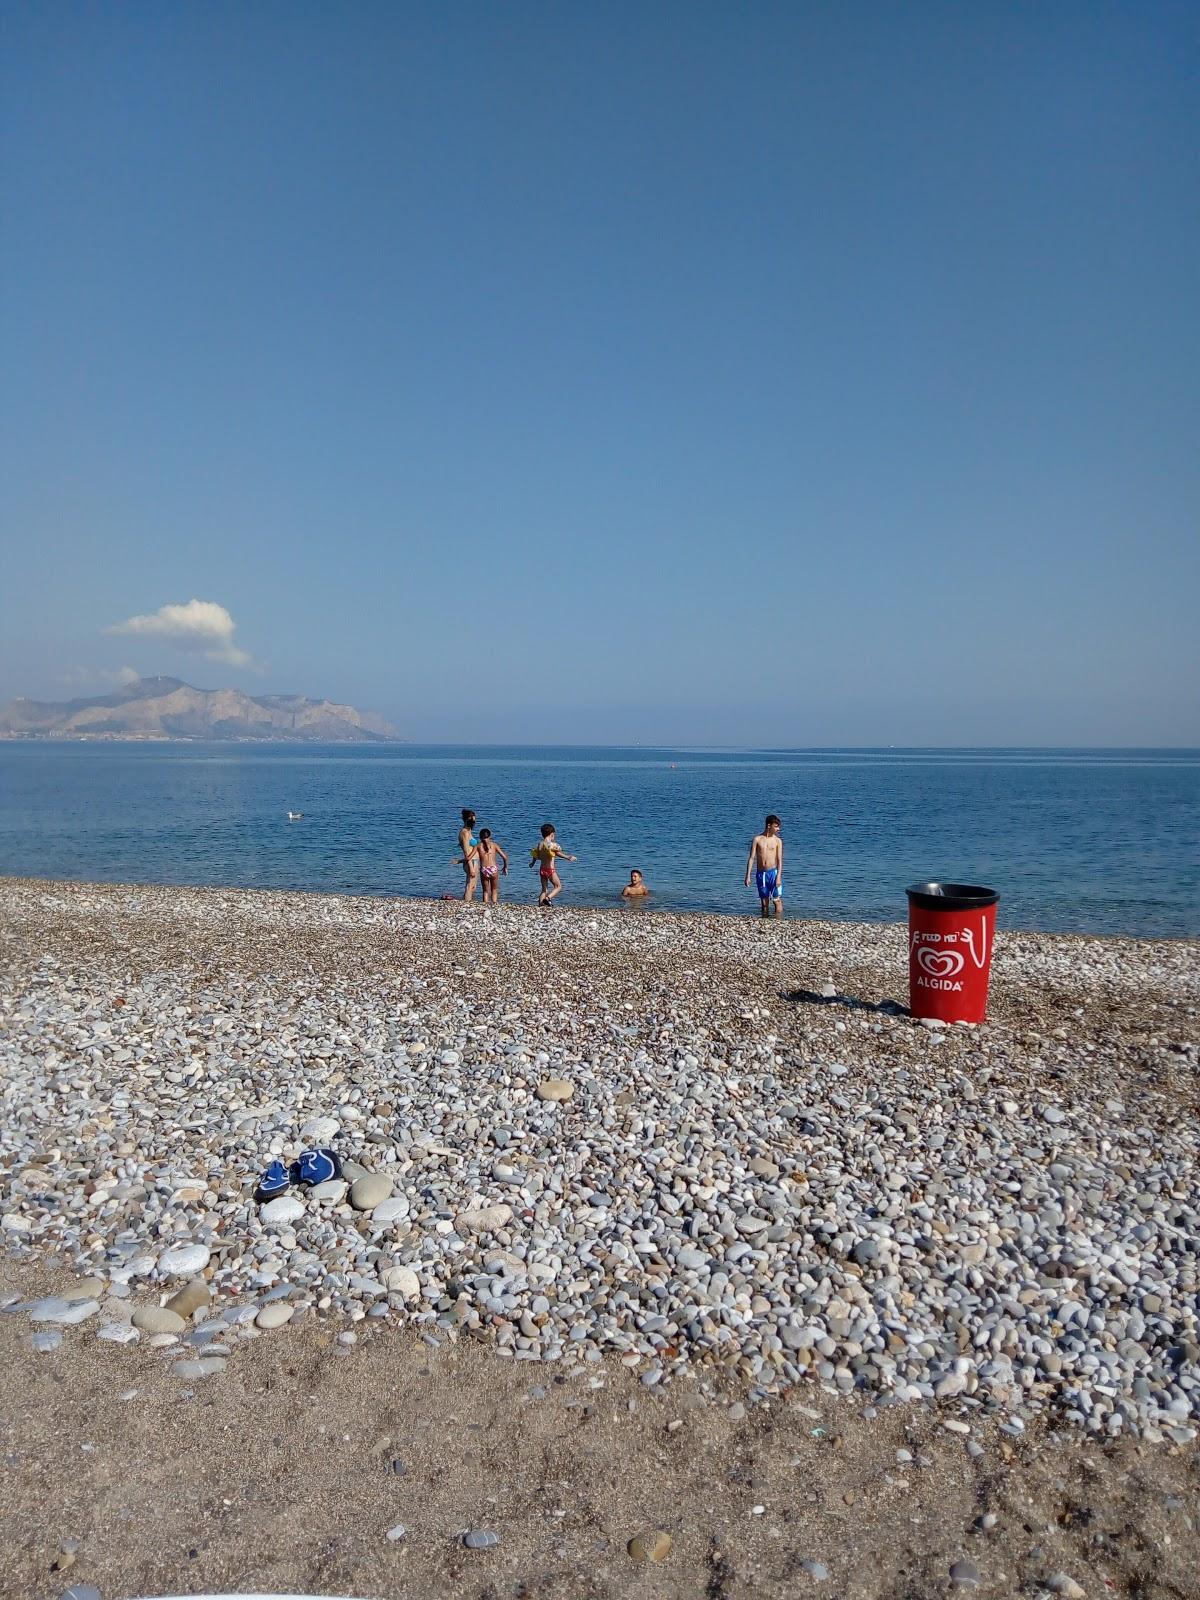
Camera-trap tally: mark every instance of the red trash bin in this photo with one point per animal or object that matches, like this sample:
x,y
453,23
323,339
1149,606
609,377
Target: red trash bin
x,y
951,930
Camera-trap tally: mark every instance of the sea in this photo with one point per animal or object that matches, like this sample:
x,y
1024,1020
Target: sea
x,y
1078,841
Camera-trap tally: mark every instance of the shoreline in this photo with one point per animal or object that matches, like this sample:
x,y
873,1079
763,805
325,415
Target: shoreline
x,y
646,1153
614,907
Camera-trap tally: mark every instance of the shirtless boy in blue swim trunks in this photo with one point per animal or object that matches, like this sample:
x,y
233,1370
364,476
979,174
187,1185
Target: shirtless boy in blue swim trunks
x,y
766,862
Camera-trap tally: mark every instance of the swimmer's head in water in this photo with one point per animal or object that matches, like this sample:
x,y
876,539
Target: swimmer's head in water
x,y
635,876
547,829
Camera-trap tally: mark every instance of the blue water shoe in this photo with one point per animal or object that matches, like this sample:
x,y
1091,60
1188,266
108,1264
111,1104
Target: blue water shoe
x,y
318,1166
274,1182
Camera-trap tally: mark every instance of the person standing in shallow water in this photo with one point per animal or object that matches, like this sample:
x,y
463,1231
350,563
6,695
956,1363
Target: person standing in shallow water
x,y
492,862
468,857
766,862
544,856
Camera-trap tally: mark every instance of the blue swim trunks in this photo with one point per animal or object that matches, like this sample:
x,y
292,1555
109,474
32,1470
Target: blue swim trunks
x,y
770,883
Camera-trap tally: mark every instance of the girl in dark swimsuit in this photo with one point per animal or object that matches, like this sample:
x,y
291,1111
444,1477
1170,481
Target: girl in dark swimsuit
x,y
468,858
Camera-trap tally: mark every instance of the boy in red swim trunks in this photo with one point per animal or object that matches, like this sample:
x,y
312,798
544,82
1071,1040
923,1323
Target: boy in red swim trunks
x,y
543,856
766,862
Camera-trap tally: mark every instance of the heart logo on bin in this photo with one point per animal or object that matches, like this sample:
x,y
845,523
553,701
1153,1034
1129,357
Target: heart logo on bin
x,y
939,963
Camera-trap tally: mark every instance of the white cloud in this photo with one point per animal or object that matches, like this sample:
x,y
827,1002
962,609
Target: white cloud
x,y
200,625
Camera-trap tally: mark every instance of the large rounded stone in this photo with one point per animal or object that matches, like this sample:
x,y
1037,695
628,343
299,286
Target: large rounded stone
x,y
369,1191
190,1298
652,1546
402,1281
484,1219
274,1315
555,1089
276,1213
184,1260
65,1312
158,1319
320,1129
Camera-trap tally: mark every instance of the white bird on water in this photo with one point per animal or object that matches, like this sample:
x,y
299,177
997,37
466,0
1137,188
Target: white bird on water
x,y
295,816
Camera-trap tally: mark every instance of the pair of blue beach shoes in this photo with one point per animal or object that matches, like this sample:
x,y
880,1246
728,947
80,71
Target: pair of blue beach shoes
x,y
313,1167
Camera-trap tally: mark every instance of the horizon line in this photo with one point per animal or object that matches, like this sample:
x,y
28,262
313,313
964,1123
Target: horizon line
x,y
600,744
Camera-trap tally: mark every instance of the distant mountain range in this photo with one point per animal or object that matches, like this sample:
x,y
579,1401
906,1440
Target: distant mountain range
x,y
166,708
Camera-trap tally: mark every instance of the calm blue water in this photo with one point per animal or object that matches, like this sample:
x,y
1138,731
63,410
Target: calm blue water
x,y
1104,842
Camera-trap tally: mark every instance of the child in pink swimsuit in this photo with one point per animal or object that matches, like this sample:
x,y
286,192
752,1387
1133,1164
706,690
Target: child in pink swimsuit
x,y
492,861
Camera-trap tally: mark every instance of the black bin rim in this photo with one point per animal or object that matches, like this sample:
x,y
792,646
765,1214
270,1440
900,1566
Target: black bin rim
x,y
934,896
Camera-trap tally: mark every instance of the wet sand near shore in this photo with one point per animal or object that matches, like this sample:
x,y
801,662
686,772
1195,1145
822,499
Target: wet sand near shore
x,y
754,1283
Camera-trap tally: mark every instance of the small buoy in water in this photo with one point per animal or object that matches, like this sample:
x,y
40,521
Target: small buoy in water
x,y
295,816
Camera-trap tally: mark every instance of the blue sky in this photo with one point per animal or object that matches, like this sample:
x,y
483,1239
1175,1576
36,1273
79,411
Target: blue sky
x,y
782,374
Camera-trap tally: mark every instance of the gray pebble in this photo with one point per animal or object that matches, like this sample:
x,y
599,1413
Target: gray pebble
x,y
1062,1583
202,1367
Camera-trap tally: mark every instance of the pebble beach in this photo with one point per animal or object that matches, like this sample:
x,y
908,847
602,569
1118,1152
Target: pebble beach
x,y
657,1154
